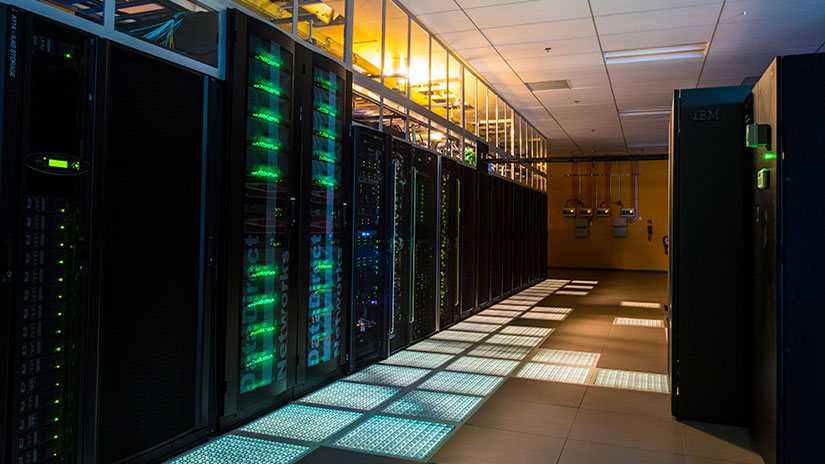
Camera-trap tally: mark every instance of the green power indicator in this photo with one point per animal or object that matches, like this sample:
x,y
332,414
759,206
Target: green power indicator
x,y
325,134
268,60
265,145
261,302
260,359
326,110
325,182
266,117
265,173
770,156
266,88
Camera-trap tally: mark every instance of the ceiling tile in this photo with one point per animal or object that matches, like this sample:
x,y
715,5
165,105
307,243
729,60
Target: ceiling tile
x,y
657,38
658,19
462,40
540,32
611,7
512,14
559,47
446,22
420,7
557,62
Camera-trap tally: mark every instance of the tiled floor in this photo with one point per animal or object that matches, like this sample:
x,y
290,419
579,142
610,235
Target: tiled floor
x,y
516,384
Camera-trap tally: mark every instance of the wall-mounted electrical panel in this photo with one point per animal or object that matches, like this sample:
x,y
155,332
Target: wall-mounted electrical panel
x,y
585,212
603,212
569,212
628,212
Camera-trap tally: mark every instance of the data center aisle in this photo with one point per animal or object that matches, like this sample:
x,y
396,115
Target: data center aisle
x,y
571,370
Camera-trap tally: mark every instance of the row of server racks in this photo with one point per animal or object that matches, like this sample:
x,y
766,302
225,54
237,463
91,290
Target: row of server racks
x,y
435,240
750,321
180,254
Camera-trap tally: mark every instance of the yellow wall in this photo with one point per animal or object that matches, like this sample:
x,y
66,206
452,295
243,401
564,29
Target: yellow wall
x,y
601,250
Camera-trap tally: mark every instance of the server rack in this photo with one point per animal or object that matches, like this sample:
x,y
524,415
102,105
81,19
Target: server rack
x,y
45,185
372,261
545,235
449,254
507,259
709,330
425,266
399,173
325,94
496,237
469,230
261,316
518,226
789,413
484,235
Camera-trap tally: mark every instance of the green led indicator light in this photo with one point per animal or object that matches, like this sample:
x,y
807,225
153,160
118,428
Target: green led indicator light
x,y
261,331
326,110
325,84
265,145
770,156
260,302
266,88
325,134
266,117
56,401
62,210
58,349
325,182
265,173
59,297
263,273
60,244
323,266
260,359
55,163
268,60
60,279
54,437
67,55
59,314
56,419
62,227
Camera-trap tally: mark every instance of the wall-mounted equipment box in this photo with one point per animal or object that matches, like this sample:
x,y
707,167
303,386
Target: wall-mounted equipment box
x,y
568,212
620,232
628,212
586,212
582,223
603,212
620,222
582,232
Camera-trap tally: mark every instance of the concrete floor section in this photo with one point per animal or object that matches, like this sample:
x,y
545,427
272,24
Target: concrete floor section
x,y
571,370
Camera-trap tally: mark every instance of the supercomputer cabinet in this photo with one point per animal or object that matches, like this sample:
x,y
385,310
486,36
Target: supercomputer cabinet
x,y
785,181
518,226
425,264
709,271
400,186
483,247
507,218
372,260
259,366
496,239
104,189
449,242
469,230
325,92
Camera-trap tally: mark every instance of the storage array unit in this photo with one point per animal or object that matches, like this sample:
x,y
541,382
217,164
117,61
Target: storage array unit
x,y
449,245
288,248
103,186
425,264
401,245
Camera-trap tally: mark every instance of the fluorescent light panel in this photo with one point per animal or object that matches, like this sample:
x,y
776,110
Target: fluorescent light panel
x,y
641,55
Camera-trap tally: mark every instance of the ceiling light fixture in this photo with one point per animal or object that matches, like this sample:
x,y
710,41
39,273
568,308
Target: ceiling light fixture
x,y
627,113
673,52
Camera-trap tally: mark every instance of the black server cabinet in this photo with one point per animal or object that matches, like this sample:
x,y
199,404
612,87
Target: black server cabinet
x,y
468,227
260,322
545,235
45,184
151,255
371,260
788,255
507,217
518,228
709,304
528,251
449,242
483,246
496,238
325,91
399,180
425,185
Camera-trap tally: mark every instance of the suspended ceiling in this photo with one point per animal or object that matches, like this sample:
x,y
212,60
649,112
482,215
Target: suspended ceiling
x,y
505,42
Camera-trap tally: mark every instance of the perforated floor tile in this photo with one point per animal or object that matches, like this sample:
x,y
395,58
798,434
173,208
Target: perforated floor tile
x,y
500,351
633,380
487,319
640,304
573,358
512,306
571,292
461,382
544,316
458,335
389,375
235,449
554,373
522,330
551,309
584,282
418,359
306,423
440,346
482,365
638,322
351,395
579,287
500,313
474,327
513,340
434,405
406,438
